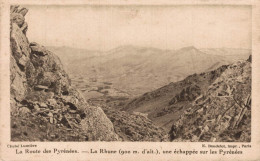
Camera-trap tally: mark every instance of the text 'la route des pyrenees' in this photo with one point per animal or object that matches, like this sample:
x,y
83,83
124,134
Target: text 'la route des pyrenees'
x,y
217,149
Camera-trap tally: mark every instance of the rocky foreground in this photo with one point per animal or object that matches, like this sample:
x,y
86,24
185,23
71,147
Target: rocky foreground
x,y
44,105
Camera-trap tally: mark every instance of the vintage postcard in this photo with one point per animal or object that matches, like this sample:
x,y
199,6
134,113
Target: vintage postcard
x,y
124,80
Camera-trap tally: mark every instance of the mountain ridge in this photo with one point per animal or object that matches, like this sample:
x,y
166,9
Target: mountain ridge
x,y
177,106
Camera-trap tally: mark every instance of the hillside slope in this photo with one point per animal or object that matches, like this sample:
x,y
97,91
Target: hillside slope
x,y
44,105
223,112
165,105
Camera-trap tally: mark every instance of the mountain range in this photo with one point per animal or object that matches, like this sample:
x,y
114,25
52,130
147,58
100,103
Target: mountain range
x,y
136,70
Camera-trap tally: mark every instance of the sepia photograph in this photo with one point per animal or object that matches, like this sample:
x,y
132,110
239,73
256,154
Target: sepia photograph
x,y
129,80
130,73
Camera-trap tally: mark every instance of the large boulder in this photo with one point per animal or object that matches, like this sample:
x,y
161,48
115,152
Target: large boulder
x,y
97,126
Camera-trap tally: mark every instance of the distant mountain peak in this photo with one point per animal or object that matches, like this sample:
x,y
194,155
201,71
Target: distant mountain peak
x,y
133,50
189,48
125,47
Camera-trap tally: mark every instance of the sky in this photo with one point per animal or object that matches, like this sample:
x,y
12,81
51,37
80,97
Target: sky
x,y
165,27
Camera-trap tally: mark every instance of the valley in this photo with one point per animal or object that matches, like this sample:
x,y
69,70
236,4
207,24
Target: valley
x,y
136,70
153,85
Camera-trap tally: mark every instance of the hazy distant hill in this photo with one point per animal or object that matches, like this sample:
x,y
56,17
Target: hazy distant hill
x,y
136,70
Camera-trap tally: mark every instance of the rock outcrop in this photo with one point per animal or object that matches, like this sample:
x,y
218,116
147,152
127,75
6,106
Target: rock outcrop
x,y
187,94
135,126
44,105
223,112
